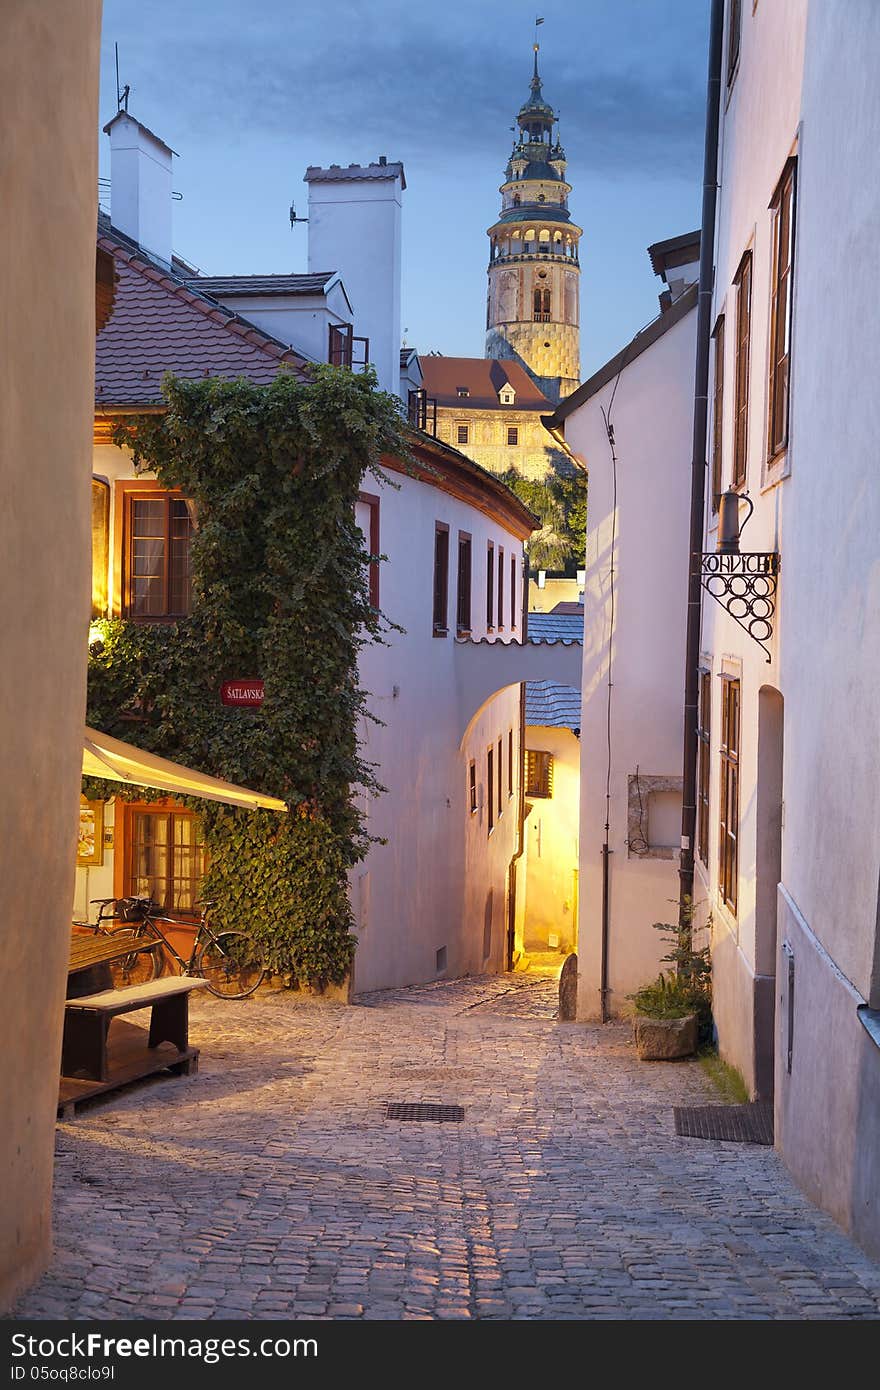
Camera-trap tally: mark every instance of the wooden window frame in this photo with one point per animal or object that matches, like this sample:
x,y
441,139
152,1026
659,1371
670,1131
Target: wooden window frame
x,y
127,491
743,349
500,777
728,798
490,586
472,787
704,750
512,592
512,435
462,430
126,813
501,588
340,346
464,591
490,788
372,501
440,613
718,414
509,764
539,773
777,439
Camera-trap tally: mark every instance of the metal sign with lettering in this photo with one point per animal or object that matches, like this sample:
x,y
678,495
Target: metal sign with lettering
x,y
247,693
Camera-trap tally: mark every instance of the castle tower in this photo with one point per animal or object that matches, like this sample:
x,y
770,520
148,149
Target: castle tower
x,y
534,275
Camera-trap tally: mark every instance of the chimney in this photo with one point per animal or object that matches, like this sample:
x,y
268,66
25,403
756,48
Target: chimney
x,y
355,229
140,185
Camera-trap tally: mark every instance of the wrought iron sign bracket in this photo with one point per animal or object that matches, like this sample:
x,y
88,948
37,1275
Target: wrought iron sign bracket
x,y
745,586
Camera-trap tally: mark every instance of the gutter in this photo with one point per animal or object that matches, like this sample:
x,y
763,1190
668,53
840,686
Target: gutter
x,y
698,469
557,433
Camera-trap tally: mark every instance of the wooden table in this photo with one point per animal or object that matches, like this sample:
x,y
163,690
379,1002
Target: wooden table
x,y
100,1051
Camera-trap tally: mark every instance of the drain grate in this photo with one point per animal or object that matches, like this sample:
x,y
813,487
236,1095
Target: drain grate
x,y
401,1110
743,1124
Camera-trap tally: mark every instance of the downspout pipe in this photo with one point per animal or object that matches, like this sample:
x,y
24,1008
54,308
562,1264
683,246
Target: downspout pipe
x,y
698,468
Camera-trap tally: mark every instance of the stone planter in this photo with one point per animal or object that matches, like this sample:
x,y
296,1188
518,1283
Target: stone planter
x,y
665,1039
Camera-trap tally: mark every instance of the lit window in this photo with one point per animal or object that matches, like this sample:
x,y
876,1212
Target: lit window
x,y
166,858
157,575
539,773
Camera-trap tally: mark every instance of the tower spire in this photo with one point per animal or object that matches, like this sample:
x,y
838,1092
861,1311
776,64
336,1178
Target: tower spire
x,y
536,81
532,312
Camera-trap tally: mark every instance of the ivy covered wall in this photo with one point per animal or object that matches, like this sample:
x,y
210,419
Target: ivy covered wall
x,y
280,593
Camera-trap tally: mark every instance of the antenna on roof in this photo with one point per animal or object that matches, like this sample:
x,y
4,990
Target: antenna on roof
x,y
121,92
293,217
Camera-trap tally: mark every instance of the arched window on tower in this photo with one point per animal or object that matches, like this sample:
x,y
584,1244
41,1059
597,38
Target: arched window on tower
x,y
541,300
516,200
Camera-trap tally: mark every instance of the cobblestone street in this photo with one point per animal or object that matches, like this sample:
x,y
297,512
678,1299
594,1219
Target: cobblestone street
x,y
271,1185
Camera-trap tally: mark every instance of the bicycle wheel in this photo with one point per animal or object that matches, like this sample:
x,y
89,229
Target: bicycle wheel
x,y
232,964
138,968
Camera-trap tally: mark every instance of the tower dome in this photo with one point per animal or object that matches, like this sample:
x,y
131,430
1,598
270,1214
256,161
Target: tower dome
x,y
534,272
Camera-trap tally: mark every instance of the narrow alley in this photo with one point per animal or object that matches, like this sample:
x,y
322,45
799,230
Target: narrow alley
x,y
272,1185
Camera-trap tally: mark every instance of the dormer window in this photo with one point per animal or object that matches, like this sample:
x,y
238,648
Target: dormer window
x,y
462,392
507,395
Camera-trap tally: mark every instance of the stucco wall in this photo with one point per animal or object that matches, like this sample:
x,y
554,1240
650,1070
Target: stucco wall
x,y
552,845
828,1104
652,417
440,879
48,172
806,85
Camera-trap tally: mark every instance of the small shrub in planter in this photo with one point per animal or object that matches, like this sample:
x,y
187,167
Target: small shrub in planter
x,y
674,1012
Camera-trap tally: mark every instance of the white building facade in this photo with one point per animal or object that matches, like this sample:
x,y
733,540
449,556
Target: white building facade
x,y
791,742
634,587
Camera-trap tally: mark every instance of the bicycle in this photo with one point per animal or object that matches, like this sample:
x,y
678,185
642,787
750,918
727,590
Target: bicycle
x,y
230,961
139,967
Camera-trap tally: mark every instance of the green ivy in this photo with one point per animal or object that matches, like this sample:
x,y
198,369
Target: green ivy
x,y
281,593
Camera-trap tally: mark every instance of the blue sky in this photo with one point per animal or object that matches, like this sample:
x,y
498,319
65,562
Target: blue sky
x,y
251,95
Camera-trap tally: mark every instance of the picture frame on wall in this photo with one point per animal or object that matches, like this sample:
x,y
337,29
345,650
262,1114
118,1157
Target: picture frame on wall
x,y
90,844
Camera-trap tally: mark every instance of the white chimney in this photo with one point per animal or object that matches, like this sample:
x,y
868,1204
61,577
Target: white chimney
x,y
355,229
140,185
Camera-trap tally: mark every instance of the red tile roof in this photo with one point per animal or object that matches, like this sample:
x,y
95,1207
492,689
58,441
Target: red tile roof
x,y
160,324
483,378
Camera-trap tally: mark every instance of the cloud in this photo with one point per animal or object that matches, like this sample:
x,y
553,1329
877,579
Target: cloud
x,y
445,81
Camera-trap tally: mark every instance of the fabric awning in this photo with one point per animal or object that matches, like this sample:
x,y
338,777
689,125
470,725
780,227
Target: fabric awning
x,y
108,757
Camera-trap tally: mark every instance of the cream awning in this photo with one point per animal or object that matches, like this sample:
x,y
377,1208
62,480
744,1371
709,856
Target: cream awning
x,y
108,757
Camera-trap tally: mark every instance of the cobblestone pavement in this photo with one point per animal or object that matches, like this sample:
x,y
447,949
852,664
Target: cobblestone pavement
x,y
272,1186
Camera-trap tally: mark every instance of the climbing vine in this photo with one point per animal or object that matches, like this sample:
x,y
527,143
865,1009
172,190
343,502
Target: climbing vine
x,y
280,593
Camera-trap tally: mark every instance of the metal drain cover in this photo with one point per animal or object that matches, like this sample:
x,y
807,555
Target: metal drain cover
x,y
401,1110
743,1124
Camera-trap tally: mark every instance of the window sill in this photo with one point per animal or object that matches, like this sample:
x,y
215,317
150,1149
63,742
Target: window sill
x,y
441,632
775,469
462,632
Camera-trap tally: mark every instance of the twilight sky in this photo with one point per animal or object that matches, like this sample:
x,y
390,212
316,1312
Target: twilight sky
x,y
252,94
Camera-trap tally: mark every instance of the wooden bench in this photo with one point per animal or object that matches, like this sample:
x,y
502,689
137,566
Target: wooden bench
x,y
89,1066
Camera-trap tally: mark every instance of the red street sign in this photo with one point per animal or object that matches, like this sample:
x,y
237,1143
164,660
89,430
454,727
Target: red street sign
x,y
242,693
